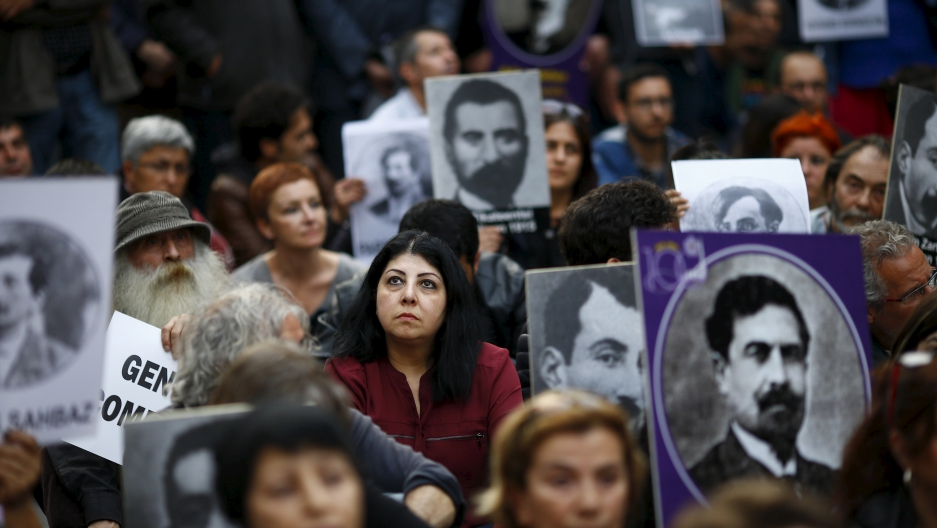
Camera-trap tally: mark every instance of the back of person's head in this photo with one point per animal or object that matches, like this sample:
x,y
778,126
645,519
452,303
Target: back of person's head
x,y
7,121
75,167
458,341
271,371
703,149
755,139
803,124
144,133
904,410
597,227
921,325
637,73
921,76
876,141
880,240
265,112
559,112
759,503
288,428
447,220
527,428
217,334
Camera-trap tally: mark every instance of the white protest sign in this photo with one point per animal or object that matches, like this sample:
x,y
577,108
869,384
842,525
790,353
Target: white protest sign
x,y
56,254
822,20
136,372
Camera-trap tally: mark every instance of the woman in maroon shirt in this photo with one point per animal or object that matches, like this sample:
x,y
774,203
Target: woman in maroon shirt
x,y
410,352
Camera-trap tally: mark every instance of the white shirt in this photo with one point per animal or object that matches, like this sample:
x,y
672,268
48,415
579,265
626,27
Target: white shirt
x,y
401,106
762,453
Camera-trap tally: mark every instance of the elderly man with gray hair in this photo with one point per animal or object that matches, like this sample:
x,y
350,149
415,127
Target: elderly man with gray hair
x,y
155,153
897,278
215,336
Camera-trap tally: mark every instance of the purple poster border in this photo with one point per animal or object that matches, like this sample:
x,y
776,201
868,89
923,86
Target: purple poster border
x,y
673,486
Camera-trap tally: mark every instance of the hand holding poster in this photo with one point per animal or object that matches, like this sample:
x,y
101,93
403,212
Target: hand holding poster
x,y
137,373
744,334
743,196
56,253
487,147
393,160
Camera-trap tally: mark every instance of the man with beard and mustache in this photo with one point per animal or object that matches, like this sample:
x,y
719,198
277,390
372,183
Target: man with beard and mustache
x,y
760,341
913,199
641,146
856,178
486,144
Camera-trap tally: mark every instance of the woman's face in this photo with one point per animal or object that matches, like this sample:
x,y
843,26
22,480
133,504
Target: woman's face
x,y
296,216
411,299
564,155
814,159
311,488
575,479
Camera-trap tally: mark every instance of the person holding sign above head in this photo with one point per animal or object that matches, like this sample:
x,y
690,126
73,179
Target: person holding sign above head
x,y
565,459
410,352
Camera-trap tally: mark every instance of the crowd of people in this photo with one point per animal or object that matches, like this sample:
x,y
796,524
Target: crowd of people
x,y
399,393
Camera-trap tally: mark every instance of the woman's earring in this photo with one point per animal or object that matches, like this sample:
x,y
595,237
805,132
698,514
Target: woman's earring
x,y
907,477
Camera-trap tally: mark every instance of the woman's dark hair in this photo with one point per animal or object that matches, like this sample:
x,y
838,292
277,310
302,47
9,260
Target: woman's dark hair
x,y
921,324
910,409
458,340
287,427
588,178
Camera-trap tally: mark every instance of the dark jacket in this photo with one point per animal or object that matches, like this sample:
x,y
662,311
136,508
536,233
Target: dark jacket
x,y
258,40
499,285
728,460
888,509
28,70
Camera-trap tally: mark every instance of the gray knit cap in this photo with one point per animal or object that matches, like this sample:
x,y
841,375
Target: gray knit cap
x,y
149,213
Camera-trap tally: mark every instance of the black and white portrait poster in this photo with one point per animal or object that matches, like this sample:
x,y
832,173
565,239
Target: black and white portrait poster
x,y
171,458
666,22
487,146
743,196
842,19
56,253
393,160
758,358
911,198
586,332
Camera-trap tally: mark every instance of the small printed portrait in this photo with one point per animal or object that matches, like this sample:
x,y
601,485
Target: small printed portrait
x,y
179,456
402,167
842,5
749,368
589,334
745,206
49,301
679,21
544,27
912,188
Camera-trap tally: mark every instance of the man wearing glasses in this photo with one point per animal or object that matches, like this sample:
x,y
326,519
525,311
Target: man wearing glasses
x,y
641,146
155,154
897,278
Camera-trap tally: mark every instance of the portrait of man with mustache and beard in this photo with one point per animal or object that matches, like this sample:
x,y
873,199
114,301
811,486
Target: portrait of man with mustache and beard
x,y
912,186
759,344
486,141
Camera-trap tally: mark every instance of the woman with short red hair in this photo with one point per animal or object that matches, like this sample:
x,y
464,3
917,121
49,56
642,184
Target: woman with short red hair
x,y
811,139
286,201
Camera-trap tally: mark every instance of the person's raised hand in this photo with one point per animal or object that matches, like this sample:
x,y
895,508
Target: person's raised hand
x,y
172,335
346,191
490,239
682,205
20,464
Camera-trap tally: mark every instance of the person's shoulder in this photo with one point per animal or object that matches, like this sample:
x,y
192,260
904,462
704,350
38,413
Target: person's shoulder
x,y
615,134
498,267
816,475
254,270
348,268
344,365
677,138
708,472
493,357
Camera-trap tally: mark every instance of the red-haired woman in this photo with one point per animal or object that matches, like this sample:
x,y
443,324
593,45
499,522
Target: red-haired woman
x,y
811,139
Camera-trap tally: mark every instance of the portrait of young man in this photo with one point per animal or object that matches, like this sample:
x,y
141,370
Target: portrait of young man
x,y
400,168
912,187
746,210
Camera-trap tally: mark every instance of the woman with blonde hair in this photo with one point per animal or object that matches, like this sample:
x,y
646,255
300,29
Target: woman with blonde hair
x,y
565,459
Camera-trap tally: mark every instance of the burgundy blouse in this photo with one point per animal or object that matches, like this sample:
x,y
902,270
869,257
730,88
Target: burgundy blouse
x,y
454,433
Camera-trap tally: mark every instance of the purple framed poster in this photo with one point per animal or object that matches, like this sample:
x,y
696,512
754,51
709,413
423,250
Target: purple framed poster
x,y
550,35
759,358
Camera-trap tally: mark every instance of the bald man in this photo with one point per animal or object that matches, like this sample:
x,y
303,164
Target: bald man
x,y
803,77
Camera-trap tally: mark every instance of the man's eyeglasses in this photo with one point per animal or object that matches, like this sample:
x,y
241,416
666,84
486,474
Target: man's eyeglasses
x,y
908,360
918,292
164,167
554,107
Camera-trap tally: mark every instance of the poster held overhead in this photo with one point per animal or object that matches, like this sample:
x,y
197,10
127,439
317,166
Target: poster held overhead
x,y
56,254
487,147
911,196
822,20
744,334
667,22
587,333
743,196
392,157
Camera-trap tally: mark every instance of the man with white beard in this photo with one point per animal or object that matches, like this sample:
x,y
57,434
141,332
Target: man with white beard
x,y
163,265
163,268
